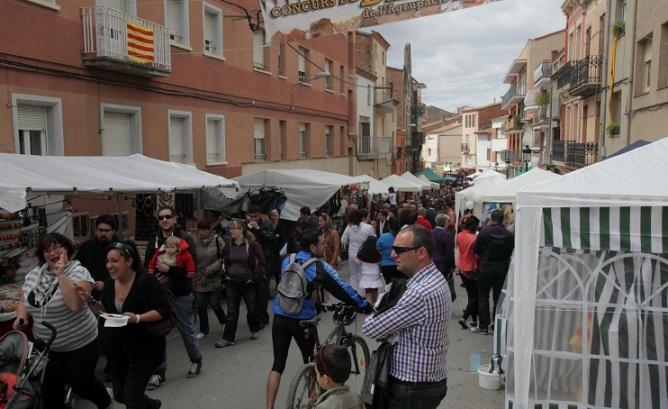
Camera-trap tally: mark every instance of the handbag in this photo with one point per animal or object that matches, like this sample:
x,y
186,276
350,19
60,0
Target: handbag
x,y
377,375
161,328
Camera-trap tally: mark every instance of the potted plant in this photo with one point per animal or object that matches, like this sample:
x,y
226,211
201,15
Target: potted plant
x,y
613,128
618,29
543,99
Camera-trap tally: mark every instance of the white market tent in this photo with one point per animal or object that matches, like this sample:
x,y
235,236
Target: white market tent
x,y
587,302
487,175
471,197
376,187
302,187
401,185
506,192
80,175
414,179
433,185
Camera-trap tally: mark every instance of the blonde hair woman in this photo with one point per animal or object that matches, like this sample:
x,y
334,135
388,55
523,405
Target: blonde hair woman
x,y
332,243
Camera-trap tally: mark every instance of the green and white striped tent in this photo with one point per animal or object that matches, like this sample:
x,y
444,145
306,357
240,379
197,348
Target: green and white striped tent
x,y
587,297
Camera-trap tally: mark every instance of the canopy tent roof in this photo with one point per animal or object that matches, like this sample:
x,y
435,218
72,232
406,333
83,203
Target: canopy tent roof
x,y
487,175
416,180
433,185
628,148
401,185
302,187
376,187
507,191
431,175
96,174
595,233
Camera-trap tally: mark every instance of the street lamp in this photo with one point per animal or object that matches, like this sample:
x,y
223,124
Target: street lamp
x,y
526,156
507,157
317,76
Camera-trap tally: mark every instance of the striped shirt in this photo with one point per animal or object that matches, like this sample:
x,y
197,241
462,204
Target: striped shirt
x,y
418,325
75,329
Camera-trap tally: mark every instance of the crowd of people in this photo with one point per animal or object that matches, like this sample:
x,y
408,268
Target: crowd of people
x,y
406,242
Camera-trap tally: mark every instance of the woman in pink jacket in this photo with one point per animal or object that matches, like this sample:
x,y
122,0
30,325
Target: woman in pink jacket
x,y
468,268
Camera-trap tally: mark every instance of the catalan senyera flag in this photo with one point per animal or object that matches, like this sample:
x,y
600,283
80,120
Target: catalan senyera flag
x,y
140,43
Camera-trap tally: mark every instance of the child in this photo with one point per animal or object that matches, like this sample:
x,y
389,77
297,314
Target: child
x,y
332,366
174,253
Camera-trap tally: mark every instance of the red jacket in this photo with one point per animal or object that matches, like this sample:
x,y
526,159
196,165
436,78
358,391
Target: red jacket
x,y
422,221
183,259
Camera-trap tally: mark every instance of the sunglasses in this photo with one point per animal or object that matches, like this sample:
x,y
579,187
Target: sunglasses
x,y
123,248
401,250
165,217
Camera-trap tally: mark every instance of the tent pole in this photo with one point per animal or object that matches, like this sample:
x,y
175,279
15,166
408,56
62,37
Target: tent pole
x,y
119,215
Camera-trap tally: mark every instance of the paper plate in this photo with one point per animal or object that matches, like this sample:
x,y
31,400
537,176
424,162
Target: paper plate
x,y
114,320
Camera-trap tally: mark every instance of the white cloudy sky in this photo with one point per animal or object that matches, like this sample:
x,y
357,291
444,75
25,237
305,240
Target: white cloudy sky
x,y
462,56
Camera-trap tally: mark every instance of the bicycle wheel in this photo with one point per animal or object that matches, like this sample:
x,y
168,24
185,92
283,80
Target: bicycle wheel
x,y
303,390
359,354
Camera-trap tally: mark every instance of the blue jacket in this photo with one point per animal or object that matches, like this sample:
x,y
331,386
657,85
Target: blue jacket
x,y
329,279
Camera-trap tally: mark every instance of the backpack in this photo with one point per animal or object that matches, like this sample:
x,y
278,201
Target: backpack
x,y
292,290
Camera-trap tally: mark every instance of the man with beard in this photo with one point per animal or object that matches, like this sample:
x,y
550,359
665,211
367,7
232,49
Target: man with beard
x,y
93,256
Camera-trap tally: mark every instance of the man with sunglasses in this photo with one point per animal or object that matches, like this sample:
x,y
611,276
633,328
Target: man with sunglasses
x,y
181,285
417,325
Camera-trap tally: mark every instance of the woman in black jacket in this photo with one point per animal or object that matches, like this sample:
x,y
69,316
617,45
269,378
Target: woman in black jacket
x,y
135,353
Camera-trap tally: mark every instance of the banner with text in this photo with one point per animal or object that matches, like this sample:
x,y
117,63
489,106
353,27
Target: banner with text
x,y
304,19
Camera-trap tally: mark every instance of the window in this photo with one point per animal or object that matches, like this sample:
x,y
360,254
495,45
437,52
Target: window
x,y
365,135
259,49
663,56
125,6
213,31
303,140
259,137
302,66
180,137
342,83
368,95
329,67
621,11
342,139
38,125
329,139
281,59
215,139
282,128
645,65
121,127
176,20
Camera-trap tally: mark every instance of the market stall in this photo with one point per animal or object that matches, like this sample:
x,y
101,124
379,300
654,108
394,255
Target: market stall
x,y
426,185
587,296
402,185
302,187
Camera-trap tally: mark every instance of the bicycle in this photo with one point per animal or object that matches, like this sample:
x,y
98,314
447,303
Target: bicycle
x,y
304,390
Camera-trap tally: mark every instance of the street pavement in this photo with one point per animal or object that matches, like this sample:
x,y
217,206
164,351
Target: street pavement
x,y
235,377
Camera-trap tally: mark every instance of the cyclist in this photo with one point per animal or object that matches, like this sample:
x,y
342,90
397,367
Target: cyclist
x,y
286,326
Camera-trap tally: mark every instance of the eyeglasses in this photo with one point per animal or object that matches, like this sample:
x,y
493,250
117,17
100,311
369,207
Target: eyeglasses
x,y
165,217
401,250
123,248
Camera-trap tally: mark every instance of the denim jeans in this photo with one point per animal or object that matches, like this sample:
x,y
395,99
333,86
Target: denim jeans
x,y
401,396
130,385
184,323
235,292
203,300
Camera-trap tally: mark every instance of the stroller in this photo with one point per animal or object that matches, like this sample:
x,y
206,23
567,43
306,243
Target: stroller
x,y
22,365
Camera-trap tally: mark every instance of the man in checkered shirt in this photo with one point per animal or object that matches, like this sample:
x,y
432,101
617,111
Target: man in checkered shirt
x,y
417,325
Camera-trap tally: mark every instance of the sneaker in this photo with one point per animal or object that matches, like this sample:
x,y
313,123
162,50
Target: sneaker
x,y
202,335
195,369
223,343
254,335
155,382
462,323
474,324
478,330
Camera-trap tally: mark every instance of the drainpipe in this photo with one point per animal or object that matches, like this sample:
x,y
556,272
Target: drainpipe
x,y
629,110
602,151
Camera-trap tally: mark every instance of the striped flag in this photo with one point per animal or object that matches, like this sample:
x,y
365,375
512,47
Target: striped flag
x,y
140,43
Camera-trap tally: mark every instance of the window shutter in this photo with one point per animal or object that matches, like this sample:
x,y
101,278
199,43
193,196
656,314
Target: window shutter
x,y
32,117
258,135
116,134
210,40
258,50
176,151
172,19
113,4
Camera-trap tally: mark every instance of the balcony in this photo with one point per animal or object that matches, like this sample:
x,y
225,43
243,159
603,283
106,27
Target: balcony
x,y
514,95
531,100
574,154
542,119
465,148
586,76
514,125
542,75
373,147
563,75
107,33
